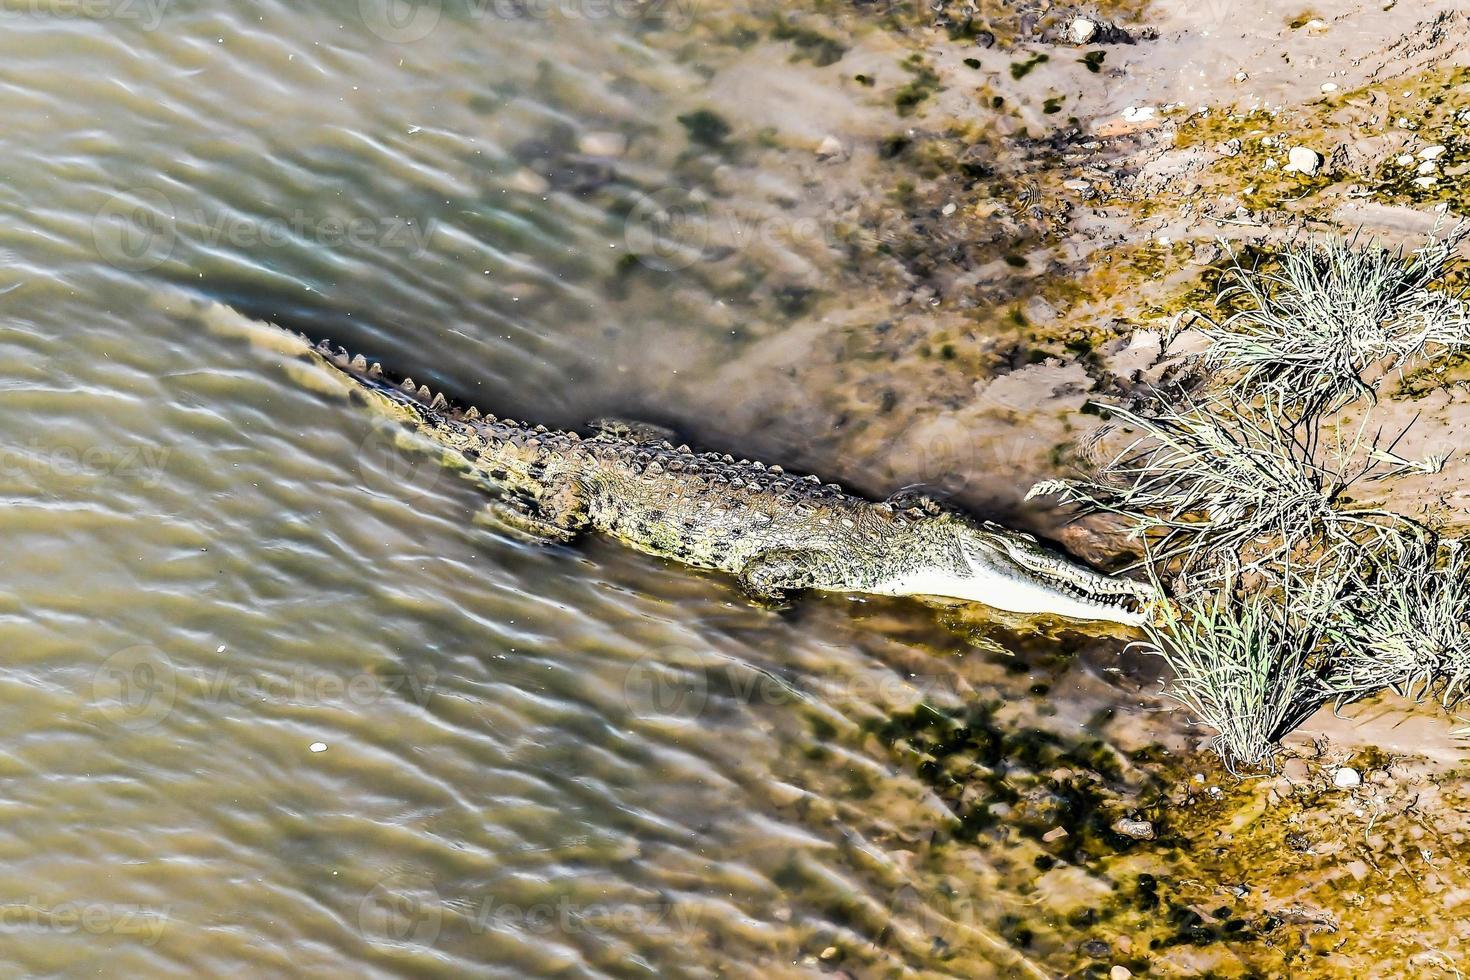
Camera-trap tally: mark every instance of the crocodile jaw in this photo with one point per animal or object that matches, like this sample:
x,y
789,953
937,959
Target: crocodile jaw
x,y
1009,570
1022,592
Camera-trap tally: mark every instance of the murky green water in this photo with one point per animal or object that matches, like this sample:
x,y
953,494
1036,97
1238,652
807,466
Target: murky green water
x,y
274,701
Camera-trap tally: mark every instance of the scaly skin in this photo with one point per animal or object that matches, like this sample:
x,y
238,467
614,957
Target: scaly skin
x,y
779,533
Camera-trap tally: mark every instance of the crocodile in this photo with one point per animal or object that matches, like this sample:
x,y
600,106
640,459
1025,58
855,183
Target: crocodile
x,y
778,533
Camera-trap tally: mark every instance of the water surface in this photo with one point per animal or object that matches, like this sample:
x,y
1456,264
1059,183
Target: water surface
x,y
277,702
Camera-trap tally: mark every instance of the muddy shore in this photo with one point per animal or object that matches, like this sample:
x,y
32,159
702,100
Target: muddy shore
x,y
980,220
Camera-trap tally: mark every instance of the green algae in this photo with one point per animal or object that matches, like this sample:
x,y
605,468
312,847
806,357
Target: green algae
x,y
925,82
1020,69
811,45
705,127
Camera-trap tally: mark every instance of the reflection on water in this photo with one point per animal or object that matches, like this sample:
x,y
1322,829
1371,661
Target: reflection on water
x,y
276,702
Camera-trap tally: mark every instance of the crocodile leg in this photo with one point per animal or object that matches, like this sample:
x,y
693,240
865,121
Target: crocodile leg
x,y
555,518
520,520
771,576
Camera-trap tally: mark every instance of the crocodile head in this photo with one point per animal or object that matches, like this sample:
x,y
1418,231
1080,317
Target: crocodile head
x,y
1011,570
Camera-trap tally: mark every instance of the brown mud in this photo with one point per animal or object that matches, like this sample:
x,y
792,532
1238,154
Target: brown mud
x,y
975,227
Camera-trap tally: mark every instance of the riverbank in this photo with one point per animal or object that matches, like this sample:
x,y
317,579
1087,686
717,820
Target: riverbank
x,y
981,223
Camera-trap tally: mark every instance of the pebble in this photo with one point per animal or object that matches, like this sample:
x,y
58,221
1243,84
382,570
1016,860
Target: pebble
x,y
1404,159
603,144
1076,185
949,209
1137,829
1304,159
1241,76
830,147
318,746
1316,25
1431,152
1428,167
830,953
1082,30
529,182
1056,833
1425,181
1329,86
1347,777
1119,972
1230,148
1139,113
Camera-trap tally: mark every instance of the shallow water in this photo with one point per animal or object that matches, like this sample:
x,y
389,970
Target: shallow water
x,y
565,761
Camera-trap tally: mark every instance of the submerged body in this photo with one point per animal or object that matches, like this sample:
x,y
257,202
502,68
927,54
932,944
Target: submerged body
x,y
777,532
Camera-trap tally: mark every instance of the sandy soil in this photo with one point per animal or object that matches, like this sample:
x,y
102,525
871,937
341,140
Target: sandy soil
x,y
982,225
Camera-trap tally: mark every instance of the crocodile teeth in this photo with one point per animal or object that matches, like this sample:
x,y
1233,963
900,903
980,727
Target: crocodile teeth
x,y
408,386
472,413
376,370
359,363
424,393
439,401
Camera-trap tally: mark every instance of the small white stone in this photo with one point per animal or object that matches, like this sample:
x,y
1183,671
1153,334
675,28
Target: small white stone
x,y
1428,167
1120,972
1316,25
949,209
1404,159
1076,185
1304,159
830,147
1230,148
1431,152
1346,778
1329,86
1241,76
603,144
1056,833
1082,30
1139,113
529,182
318,746
1425,181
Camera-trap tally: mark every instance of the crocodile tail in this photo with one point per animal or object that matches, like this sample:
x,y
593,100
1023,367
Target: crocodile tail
x,y
478,439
